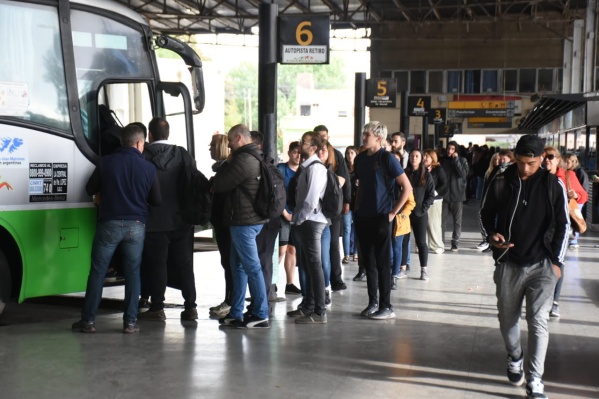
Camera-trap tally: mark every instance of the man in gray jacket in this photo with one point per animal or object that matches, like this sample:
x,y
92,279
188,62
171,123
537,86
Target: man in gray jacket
x,y
240,181
456,170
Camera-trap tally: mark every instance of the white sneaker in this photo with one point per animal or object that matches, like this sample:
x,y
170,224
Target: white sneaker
x,y
535,389
482,246
221,309
439,251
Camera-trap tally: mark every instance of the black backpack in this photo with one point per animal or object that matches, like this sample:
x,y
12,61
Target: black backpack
x,y
271,196
332,202
195,198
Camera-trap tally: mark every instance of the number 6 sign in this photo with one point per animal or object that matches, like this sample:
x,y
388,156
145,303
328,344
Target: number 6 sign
x,y
304,39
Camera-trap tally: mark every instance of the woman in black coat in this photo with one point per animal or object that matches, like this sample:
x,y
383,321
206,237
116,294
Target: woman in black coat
x,y
424,195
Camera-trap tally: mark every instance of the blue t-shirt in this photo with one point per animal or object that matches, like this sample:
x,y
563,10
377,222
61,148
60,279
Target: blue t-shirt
x,y
376,174
288,174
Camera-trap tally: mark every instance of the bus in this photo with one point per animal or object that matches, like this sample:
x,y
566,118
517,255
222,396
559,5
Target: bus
x,y
71,73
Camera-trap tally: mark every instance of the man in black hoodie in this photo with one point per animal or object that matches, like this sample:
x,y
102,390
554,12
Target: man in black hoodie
x,y
524,216
168,247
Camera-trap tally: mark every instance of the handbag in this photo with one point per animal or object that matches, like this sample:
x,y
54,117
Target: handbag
x,y
576,218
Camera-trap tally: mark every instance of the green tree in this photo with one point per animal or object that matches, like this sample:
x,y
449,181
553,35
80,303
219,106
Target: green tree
x,y
242,82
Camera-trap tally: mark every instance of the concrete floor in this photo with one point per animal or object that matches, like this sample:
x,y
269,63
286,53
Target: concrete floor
x,y
445,342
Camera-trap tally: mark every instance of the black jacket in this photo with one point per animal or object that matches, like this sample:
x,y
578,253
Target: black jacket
x,y
423,195
531,214
456,170
440,180
168,160
238,178
343,172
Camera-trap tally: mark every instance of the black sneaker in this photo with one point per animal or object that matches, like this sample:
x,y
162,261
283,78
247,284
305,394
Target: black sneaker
x,y
454,248
130,328
189,314
535,389
554,310
84,327
360,276
143,304
515,371
228,320
370,309
383,314
152,315
327,297
339,287
254,322
292,289
394,283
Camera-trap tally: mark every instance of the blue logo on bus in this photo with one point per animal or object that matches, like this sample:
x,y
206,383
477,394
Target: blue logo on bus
x,y
10,144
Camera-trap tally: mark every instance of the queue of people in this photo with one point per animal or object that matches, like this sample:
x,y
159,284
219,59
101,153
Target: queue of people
x,y
382,204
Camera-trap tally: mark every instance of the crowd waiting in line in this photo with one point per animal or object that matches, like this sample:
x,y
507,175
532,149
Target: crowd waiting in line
x,y
387,194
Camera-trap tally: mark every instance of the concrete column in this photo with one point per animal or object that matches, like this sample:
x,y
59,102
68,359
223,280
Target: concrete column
x,y
577,56
567,71
589,47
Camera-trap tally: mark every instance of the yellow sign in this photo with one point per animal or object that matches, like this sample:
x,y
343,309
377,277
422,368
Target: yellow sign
x,y
497,119
477,104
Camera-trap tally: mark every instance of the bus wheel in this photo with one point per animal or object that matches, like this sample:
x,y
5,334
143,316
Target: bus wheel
x,y
5,282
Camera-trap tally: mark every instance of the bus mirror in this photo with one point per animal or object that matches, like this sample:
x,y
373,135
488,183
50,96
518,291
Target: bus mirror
x,y
191,59
197,81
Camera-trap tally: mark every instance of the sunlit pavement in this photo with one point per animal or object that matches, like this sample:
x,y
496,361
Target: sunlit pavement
x,y
444,343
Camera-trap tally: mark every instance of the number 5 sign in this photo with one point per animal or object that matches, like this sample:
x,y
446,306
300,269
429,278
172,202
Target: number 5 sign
x,y
381,93
304,39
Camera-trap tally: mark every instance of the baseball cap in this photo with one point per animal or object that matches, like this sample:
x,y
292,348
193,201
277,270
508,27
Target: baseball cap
x,y
530,145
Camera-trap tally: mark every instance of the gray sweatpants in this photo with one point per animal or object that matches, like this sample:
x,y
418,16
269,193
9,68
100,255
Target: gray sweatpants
x,y
536,283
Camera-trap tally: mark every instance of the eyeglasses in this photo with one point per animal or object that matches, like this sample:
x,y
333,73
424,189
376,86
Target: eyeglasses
x,y
302,142
550,157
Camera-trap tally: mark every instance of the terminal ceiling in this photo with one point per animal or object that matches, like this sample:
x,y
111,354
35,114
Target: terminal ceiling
x,y
178,17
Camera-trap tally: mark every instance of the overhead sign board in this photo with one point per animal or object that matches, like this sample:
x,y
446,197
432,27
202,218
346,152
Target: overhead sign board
x,y
419,105
304,39
381,93
451,128
481,112
438,115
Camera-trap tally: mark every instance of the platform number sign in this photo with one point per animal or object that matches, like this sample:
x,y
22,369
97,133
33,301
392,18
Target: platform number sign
x,y
381,93
437,115
451,128
304,39
419,105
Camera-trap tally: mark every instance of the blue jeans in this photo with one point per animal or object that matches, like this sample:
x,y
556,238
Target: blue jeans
x,y
347,227
246,270
396,243
325,248
130,235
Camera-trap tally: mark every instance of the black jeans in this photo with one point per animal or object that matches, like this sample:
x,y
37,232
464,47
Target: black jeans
x,y
168,259
223,241
419,224
309,235
265,241
336,279
374,235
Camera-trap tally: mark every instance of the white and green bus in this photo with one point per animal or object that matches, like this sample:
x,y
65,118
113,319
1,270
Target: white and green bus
x,y
68,70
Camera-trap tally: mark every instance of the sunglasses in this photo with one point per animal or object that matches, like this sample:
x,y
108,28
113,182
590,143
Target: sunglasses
x,y
550,157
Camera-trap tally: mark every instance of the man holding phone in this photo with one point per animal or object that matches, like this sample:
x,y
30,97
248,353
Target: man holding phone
x,y
524,215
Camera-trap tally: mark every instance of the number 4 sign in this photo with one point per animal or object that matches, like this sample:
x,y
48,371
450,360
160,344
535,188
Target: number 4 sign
x,y
304,39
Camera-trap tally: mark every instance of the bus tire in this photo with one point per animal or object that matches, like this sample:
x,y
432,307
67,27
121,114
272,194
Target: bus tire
x,y
5,282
